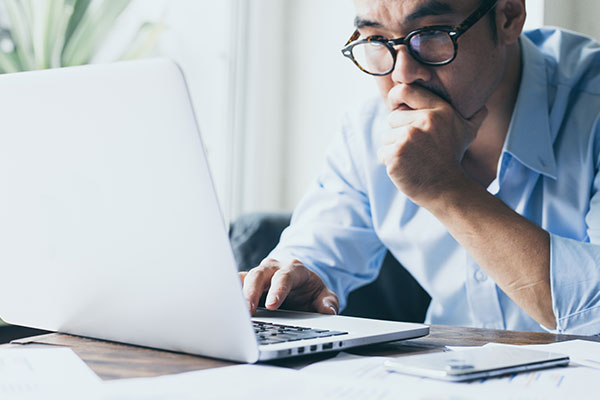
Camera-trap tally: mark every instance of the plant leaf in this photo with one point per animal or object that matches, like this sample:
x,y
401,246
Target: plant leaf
x,y
9,62
92,29
38,23
79,9
21,33
144,41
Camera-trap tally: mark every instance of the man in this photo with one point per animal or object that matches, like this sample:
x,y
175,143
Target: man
x,y
477,169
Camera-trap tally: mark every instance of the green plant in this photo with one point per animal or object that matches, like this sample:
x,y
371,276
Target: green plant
x,y
58,33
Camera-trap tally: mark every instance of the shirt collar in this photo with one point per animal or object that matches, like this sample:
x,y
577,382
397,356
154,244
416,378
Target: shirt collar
x,y
529,138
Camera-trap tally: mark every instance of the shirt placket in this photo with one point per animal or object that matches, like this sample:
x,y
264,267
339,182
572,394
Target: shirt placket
x,y
483,297
482,290
513,185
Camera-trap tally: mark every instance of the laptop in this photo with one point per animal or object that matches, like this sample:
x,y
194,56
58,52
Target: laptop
x,y
110,226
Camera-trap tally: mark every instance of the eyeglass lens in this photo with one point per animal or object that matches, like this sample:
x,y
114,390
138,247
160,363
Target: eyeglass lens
x,y
435,47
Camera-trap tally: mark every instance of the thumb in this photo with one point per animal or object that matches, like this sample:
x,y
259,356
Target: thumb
x,y
327,303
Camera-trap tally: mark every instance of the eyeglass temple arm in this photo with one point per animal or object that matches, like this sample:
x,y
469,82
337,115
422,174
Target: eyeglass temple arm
x,y
354,37
477,15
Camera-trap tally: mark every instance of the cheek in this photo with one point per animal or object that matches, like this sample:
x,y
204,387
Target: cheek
x,y
467,95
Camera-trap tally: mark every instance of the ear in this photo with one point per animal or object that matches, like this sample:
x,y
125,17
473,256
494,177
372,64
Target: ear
x,y
510,18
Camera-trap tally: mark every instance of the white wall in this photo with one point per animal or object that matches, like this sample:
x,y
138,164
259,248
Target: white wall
x,y
199,36
321,85
270,85
535,14
292,92
261,76
578,15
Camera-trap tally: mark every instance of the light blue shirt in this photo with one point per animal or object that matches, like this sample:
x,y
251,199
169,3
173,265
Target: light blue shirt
x,y
548,172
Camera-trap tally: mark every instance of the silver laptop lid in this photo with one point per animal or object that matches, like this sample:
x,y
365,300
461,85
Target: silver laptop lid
x,y
109,225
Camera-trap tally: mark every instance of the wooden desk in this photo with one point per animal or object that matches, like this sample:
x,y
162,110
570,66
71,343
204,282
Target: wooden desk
x,y
115,361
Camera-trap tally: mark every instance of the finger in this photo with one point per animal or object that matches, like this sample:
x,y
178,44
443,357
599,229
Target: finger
x,y
257,280
395,135
282,283
242,276
398,118
327,303
386,153
413,96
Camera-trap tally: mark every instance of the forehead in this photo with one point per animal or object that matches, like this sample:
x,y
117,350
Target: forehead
x,y
397,13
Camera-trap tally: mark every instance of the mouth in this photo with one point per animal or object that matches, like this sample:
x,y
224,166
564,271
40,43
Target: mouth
x,y
403,107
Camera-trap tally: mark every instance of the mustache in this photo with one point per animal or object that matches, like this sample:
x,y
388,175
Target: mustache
x,y
438,91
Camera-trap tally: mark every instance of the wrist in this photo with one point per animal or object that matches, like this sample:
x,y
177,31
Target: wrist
x,y
454,193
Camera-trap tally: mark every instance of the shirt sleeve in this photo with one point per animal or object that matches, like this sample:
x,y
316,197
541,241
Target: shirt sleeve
x,y
331,231
575,274
575,284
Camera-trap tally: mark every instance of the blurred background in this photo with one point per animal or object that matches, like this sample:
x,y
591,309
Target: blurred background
x,y
267,78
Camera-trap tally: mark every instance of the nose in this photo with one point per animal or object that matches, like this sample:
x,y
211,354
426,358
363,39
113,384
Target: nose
x,y
408,70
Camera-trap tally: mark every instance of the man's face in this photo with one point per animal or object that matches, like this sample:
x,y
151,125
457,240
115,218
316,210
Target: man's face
x,y
468,81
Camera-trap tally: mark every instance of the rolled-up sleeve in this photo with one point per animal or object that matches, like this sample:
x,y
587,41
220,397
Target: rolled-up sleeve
x,y
575,265
575,283
331,231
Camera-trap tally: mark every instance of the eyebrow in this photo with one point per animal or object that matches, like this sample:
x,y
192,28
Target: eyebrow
x,y
360,22
431,8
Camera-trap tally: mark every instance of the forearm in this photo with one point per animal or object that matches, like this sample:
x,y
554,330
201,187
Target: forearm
x,y
513,251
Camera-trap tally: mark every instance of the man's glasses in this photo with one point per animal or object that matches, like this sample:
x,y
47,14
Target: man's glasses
x,y
432,45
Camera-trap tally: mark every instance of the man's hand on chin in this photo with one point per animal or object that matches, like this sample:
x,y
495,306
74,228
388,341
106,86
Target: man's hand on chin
x,y
424,149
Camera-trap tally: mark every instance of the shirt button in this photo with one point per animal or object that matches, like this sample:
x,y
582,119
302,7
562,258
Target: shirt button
x,y
480,276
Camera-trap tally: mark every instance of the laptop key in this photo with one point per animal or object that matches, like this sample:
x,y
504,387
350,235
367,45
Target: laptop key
x,y
268,333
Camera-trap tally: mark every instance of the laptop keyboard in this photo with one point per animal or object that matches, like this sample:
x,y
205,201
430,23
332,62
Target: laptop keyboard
x,y
268,333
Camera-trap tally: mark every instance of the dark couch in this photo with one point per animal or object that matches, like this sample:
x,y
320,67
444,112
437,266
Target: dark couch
x,y
394,295
11,332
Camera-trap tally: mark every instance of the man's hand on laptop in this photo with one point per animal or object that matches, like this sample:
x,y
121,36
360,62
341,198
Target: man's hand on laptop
x,y
290,283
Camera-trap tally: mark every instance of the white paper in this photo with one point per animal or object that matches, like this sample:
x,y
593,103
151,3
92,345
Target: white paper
x,y
582,352
54,372
58,373
243,382
556,383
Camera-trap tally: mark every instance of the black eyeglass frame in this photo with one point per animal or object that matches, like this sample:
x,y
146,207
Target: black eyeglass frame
x,y
454,32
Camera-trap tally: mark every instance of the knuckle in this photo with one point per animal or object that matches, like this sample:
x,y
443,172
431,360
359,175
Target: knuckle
x,y
255,273
393,167
283,274
269,262
282,277
386,138
412,132
293,265
429,121
256,276
391,119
